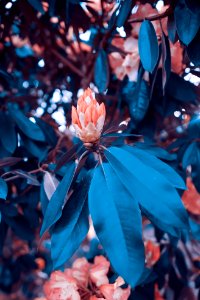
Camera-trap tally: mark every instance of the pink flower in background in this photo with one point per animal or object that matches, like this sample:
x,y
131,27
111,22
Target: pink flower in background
x,y
99,270
129,64
80,271
89,117
152,253
85,281
114,292
61,287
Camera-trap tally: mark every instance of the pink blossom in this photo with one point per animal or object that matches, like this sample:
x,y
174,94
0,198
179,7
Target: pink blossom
x,y
61,287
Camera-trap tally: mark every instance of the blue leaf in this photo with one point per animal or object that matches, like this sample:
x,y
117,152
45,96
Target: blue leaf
x,y
29,128
180,89
7,133
189,157
117,221
124,11
161,167
149,188
71,229
37,5
55,205
101,71
3,189
148,46
193,50
187,22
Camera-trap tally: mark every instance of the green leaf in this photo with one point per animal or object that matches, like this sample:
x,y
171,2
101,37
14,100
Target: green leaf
x,y
3,189
117,222
148,46
150,188
101,71
29,128
57,201
72,227
187,22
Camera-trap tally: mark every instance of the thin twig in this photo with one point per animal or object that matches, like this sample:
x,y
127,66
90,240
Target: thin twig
x,y
67,63
153,18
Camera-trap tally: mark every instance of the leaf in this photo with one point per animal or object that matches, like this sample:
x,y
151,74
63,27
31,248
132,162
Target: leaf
x,y
69,155
55,205
193,5
150,188
124,12
37,149
117,222
48,131
3,189
193,50
71,229
20,227
166,60
43,199
29,128
101,71
161,167
30,178
139,105
148,46
37,5
50,184
9,161
171,29
194,127
7,133
187,22
189,156
156,151
180,89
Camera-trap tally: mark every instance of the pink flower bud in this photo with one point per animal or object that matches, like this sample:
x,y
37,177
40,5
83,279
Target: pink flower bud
x,y
88,118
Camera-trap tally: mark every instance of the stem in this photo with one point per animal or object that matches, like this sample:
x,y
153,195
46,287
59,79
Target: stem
x,y
153,18
67,63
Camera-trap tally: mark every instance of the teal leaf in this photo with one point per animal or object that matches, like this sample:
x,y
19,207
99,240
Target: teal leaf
x,y
124,12
72,227
117,221
153,162
101,71
3,189
150,188
189,157
57,201
37,5
148,46
29,128
187,22
8,133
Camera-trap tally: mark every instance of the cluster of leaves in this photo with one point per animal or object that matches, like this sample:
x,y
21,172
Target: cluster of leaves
x,y
42,50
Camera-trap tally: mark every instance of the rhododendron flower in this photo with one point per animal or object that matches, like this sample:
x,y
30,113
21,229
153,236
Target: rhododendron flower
x,y
61,287
89,117
80,271
114,292
99,270
152,253
85,281
191,198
